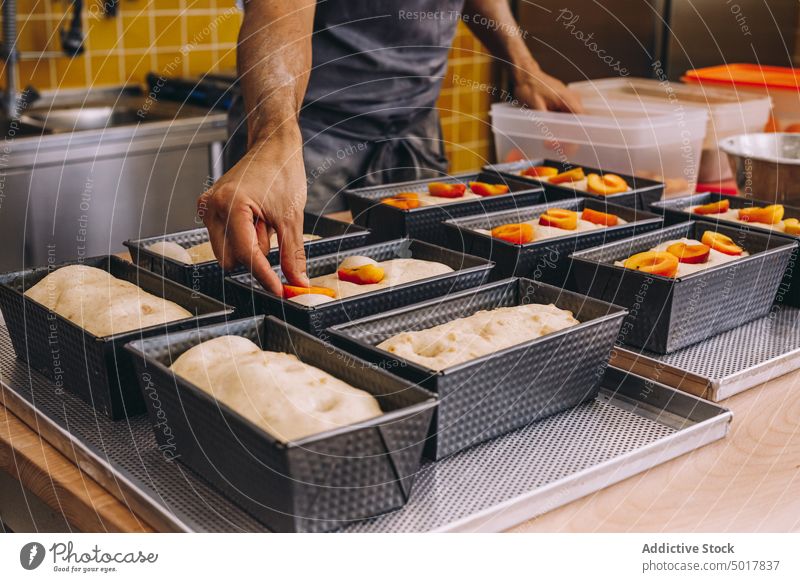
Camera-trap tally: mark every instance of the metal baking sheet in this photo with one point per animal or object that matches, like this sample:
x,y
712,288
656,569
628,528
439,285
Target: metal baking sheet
x,y
726,364
631,426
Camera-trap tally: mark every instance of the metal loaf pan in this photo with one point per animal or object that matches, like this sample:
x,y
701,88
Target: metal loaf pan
x,y
424,223
642,194
468,271
676,210
546,260
318,483
96,369
208,277
494,394
668,314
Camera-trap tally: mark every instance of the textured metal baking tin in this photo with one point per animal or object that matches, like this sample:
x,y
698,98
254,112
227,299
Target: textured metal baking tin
x,y
494,394
546,260
726,364
318,483
631,426
468,271
208,277
96,368
668,314
642,194
675,210
424,223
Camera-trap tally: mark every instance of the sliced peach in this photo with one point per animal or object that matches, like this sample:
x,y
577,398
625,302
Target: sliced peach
x,y
597,217
515,233
720,242
559,218
606,184
484,189
714,207
364,275
403,200
573,175
691,254
654,262
290,291
772,214
539,172
791,226
446,190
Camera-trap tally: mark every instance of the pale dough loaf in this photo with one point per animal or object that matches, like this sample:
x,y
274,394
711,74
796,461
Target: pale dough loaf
x,y
482,333
203,252
396,272
100,303
277,392
715,258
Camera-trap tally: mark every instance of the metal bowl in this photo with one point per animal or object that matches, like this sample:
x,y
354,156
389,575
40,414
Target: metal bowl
x,y
766,165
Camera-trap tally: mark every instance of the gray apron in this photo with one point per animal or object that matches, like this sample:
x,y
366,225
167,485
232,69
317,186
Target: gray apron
x,y
369,112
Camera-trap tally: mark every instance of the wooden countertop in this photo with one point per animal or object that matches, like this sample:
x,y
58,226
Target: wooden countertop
x,y
745,483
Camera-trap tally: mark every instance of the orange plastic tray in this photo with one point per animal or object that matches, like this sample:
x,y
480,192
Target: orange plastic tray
x,y
749,75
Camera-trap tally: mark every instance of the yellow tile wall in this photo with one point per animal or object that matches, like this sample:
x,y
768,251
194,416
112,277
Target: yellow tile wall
x,y
190,37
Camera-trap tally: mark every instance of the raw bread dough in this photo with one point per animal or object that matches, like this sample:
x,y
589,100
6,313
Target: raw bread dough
x,y
541,232
277,392
203,252
396,272
732,215
100,303
482,333
715,258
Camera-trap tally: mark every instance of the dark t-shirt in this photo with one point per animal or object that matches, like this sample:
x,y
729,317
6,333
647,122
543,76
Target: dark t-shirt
x,y
380,59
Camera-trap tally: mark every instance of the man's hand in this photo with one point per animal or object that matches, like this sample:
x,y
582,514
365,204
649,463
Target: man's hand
x,y
538,90
264,193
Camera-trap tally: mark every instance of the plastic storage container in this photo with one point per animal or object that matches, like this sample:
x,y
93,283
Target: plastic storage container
x,y
782,84
661,143
730,113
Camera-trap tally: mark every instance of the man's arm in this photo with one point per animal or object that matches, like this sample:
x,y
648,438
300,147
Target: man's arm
x,y
266,190
502,37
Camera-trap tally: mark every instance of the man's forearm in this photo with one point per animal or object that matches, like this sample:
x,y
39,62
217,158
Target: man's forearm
x,y
274,62
494,25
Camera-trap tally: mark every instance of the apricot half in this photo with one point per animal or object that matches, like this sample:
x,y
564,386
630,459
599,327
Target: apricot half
x,y
791,226
573,175
720,242
606,184
690,254
363,275
515,233
597,217
539,172
290,291
403,200
484,189
654,262
559,218
714,207
772,214
445,190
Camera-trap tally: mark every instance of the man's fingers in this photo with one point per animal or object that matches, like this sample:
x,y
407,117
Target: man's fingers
x,y
293,254
242,241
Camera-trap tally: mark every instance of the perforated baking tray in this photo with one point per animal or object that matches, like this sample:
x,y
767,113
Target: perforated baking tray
x,y
642,194
424,223
208,277
545,260
729,363
631,426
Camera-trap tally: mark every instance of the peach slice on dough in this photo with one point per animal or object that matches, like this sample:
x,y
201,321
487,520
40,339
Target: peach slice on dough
x,y
445,190
559,218
403,200
721,243
606,184
290,291
791,226
654,262
484,189
690,254
772,214
573,175
597,217
539,172
515,233
714,207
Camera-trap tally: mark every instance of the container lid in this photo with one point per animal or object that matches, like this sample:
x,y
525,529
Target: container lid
x,y
747,75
